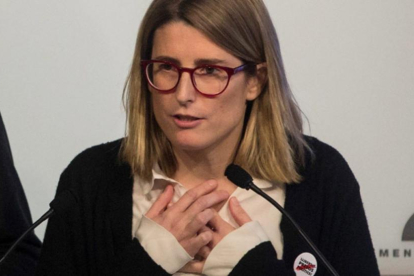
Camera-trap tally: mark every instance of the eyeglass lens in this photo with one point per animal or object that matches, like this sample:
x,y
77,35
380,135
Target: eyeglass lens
x,y
208,80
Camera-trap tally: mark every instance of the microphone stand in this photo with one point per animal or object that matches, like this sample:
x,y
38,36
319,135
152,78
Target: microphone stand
x,y
60,205
257,190
39,221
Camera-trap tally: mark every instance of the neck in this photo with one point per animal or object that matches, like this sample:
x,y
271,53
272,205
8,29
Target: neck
x,y
195,168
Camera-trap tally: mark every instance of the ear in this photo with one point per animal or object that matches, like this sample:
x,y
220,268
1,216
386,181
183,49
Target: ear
x,y
256,83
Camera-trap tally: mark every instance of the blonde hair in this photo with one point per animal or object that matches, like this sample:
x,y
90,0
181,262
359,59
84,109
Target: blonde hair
x,y
272,146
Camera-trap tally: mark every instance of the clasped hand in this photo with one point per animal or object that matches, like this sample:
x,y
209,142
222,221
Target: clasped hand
x,y
193,221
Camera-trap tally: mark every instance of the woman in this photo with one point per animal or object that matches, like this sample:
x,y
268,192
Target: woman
x,y
207,88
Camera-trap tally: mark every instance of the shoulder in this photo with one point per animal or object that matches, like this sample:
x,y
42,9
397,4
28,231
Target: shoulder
x,y
97,156
93,167
327,187
322,151
322,155
326,167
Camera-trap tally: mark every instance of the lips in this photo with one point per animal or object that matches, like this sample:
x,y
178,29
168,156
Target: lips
x,y
186,118
186,121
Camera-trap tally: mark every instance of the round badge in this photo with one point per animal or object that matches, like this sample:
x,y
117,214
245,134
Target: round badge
x,y
305,265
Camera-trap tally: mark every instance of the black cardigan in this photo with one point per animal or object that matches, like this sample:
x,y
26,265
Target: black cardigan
x,y
95,239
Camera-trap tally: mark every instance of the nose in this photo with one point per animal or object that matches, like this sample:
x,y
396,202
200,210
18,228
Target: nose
x,y
185,92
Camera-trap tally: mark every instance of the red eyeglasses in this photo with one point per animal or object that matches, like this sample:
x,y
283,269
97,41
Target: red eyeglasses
x,y
208,80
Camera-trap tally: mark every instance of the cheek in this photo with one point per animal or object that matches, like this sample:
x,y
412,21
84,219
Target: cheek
x,y
159,109
160,102
230,111
155,105
235,101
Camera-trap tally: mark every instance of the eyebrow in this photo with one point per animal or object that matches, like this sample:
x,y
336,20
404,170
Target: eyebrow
x,y
169,59
209,61
198,62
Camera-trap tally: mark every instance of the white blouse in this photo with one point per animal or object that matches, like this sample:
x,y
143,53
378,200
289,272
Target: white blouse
x,y
166,251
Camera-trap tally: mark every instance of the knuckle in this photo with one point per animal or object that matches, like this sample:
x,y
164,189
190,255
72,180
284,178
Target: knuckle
x,y
202,202
209,213
213,212
206,237
192,194
201,218
169,222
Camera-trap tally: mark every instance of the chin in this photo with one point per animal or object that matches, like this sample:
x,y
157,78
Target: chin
x,y
190,143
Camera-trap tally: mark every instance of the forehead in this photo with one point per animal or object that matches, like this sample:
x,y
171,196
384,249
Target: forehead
x,y
185,43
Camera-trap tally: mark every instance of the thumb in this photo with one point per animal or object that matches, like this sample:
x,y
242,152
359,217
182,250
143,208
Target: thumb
x,y
238,213
161,203
194,266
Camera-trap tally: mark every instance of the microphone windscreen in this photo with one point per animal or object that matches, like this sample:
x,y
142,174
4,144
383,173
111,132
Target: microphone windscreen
x,y
238,176
64,202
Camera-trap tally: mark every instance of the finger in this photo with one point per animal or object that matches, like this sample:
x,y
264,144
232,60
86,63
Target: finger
x,y
208,229
215,222
220,228
204,252
238,213
199,222
193,245
192,195
206,201
218,224
194,266
204,229
161,203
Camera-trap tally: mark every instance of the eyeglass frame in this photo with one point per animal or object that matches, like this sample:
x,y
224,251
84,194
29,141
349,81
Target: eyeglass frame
x,y
230,72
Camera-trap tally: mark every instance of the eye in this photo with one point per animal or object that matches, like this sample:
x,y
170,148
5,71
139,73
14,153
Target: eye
x,y
165,66
208,70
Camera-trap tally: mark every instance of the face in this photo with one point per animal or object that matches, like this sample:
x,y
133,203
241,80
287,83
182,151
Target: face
x,y
191,121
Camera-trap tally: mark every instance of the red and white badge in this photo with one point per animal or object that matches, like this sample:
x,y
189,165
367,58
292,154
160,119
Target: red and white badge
x,y
305,265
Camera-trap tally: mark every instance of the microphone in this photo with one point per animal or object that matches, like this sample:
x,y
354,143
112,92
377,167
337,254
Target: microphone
x,y
243,179
60,205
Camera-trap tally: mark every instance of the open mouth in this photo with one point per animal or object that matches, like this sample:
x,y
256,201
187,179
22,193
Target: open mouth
x,y
186,118
187,121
